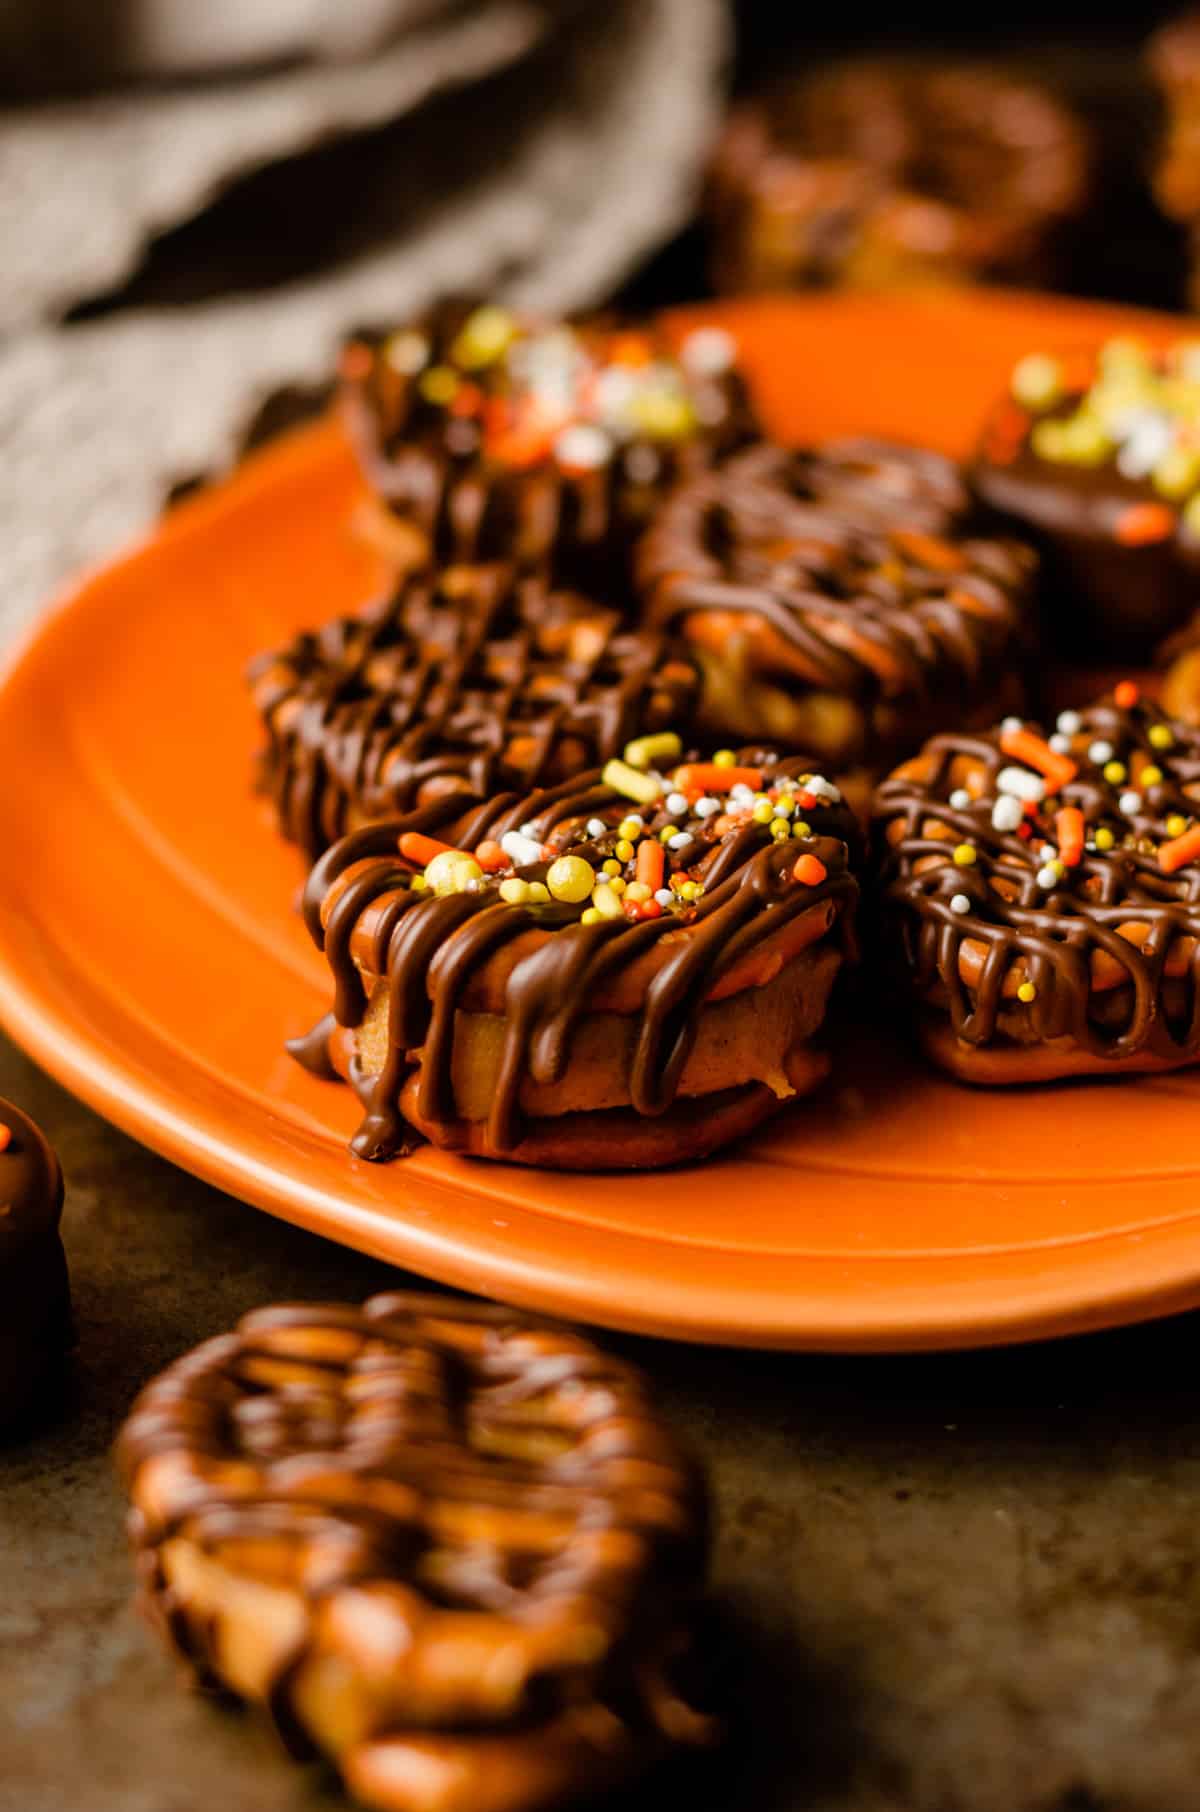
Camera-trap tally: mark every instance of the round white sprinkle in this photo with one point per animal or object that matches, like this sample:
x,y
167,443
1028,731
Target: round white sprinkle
x,y
677,802
704,808
1047,877
824,789
1010,724
583,446
960,903
527,830
1007,813
741,791
1069,722
1130,803
520,849
680,840
1021,783
596,827
708,351
1100,751
664,896
1060,744
960,799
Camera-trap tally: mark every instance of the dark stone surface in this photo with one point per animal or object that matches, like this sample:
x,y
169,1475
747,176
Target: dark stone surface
x,y
955,1582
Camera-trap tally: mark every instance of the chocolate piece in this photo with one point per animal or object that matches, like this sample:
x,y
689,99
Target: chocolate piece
x,y
518,1005
476,679
1043,899
839,598
887,172
34,1292
452,1548
490,435
1099,461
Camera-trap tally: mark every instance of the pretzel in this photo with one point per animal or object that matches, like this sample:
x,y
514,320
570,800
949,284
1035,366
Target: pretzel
x,y
450,1548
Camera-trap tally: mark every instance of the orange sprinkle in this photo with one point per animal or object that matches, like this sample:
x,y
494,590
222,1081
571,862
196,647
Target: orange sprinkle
x,y
643,909
355,362
490,857
1126,695
1069,825
1179,850
468,399
5,1137
420,849
629,349
1024,746
703,776
651,860
809,870
1144,523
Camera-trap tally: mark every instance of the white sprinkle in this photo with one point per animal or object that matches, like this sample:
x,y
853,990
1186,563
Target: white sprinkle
x,y
664,896
596,827
520,849
1146,435
1060,744
960,799
634,818
783,808
474,886
680,840
704,808
1007,813
708,351
1100,751
528,830
1011,724
583,447
1070,723
1130,803
741,791
959,903
824,789
677,802
1021,783
1047,877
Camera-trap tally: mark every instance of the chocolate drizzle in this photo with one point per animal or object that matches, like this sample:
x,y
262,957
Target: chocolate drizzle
x,y
478,679
362,912
1112,948
487,1504
856,570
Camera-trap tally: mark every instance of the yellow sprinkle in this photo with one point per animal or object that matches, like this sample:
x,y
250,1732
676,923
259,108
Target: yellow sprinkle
x,y
1176,825
418,884
450,871
724,758
514,891
631,826
965,854
589,916
1159,736
689,891
438,384
637,890
1115,772
484,335
606,903
624,779
538,892
624,850
762,812
781,830
644,751
1027,992
612,866
801,829
1104,838
618,884
571,878
1037,382
1150,776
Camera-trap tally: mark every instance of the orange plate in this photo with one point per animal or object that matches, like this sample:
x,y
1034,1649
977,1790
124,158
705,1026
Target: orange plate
x,y
150,956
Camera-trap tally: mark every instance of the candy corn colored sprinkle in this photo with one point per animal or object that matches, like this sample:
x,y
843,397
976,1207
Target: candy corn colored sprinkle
x,y
415,847
809,870
651,863
1179,850
490,857
1142,524
1069,825
699,776
1125,695
1024,746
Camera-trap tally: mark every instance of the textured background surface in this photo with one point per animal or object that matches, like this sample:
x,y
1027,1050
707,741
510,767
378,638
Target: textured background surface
x,y
952,1584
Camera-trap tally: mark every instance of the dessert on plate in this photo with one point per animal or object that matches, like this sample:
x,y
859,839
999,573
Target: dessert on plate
x,y
477,679
840,600
889,172
623,970
1098,458
1040,893
35,1311
491,434
453,1549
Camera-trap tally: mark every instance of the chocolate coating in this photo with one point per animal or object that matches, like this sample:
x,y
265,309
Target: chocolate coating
x,y
34,1293
892,171
478,679
1111,947
469,1540
365,916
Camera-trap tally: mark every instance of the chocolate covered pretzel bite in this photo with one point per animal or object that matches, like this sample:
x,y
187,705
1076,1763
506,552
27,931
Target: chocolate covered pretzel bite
x,y
450,1548
490,434
838,600
1043,895
35,1314
624,970
476,679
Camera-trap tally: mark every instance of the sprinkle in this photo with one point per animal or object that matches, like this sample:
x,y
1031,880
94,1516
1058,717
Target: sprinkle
x,y
631,826
783,808
514,891
667,832
699,776
781,830
724,758
1007,813
632,785
677,802
743,794
485,334
606,903
418,884
1176,825
664,896
596,827
1115,772
538,893
1142,524
762,812
1103,838
1069,722
618,883
1125,695
965,855
5,1137
589,916
611,866
680,840
708,351
801,828
644,909
1068,825
406,352
1048,877
1021,784
1059,743
416,848
582,447
1100,752
824,789
438,385
451,871
520,849
529,830
1181,849
1024,746
690,890
1037,381
651,861
490,857
644,751
1130,803
571,879
705,808
1011,725
637,891
1026,992
624,850
1150,775
1159,736
959,903
960,799
809,870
